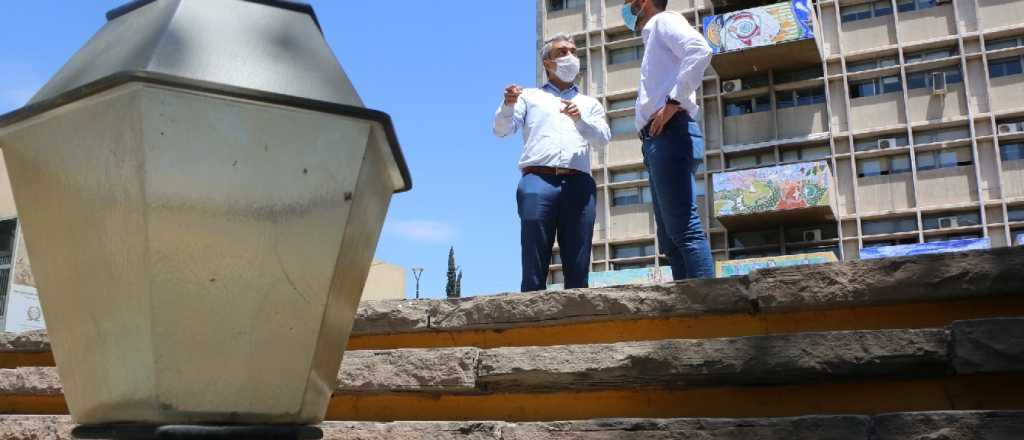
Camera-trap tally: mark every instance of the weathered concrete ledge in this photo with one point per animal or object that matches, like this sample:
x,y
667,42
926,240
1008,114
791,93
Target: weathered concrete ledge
x,y
913,292
965,425
861,283
757,360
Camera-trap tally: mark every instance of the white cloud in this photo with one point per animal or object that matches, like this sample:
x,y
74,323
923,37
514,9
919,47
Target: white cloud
x,y
425,231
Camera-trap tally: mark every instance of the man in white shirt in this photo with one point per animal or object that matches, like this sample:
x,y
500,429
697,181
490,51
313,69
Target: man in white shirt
x,y
556,195
675,58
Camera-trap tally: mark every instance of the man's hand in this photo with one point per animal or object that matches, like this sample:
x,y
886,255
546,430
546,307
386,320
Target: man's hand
x,y
512,93
662,117
571,110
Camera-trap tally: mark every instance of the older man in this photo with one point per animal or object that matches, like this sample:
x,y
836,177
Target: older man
x,y
675,58
556,194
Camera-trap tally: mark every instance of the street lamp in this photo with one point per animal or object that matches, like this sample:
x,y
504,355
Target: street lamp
x,y
202,192
416,272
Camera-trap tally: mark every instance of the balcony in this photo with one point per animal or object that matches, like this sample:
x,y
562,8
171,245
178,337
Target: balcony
x,y
775,36
799,193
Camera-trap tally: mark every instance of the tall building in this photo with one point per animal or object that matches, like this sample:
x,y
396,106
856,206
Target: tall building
x,y
916,107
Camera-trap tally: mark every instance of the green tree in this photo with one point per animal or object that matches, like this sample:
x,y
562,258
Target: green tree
x,y
454,286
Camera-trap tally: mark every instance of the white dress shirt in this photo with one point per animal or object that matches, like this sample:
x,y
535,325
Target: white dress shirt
x,y
551,138
675,58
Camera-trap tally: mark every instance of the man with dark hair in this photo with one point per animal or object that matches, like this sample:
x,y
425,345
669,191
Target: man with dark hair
x,y
556,193
675,58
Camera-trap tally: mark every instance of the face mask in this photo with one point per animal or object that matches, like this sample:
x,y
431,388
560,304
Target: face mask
x,y
567,67
629,16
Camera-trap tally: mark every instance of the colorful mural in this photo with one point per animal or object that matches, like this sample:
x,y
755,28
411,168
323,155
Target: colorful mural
x,y
778,188
647,275
937,247
734,268
761,26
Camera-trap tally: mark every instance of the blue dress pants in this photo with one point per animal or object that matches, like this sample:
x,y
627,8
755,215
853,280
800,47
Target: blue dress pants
x,y
671,159
550,206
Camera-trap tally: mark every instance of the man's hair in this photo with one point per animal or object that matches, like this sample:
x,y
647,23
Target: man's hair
x,y
660,4
545,52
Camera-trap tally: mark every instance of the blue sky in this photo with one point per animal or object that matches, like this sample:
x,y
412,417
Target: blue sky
x,y
437,67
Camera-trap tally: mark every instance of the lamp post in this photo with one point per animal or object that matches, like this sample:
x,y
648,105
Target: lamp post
x,y
416,272
202,192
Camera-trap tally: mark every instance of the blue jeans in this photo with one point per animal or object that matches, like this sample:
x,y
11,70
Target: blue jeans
x,y
671,159
548,204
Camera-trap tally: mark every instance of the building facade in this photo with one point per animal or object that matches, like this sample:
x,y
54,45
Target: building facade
x,y
915,106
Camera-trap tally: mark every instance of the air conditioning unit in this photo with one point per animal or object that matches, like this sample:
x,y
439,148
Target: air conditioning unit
x,y
730,86
1014,127
886,143
938,83
948,222
812,235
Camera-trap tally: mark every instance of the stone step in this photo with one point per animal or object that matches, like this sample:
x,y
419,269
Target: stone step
x,y
970,365
953,425
913,292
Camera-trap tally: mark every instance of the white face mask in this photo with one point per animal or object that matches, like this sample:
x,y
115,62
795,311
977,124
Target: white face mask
x,y
567,68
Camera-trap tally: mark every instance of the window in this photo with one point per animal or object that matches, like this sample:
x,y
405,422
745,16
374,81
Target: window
x,y
1015,214
633,250
805,153
883,243
952,237
873,143
1018,236
930,54
621,104
626,266
796,98
562,5
629,175
914,5
1010,152
941,135
876,86
933,160
1004,67
798,75
889,226
700,188
755,81
865,11
951,220
920,80
623,125
1005,43
744,106
883,166
625,55
750,160
877,63
631,196
754,239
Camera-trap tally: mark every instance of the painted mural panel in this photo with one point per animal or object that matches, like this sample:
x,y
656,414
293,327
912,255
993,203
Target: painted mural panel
x,y
760,26
777,188
646,275
733,268
938,247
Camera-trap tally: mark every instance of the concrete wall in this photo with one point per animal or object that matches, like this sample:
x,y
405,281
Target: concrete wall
x,y
1013,178
7,209
997,13
1007,93
385,281
800,121
923,105
885,193
867,34
926,24
946,185
749,128
877,111
625,76
632,221
568,21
